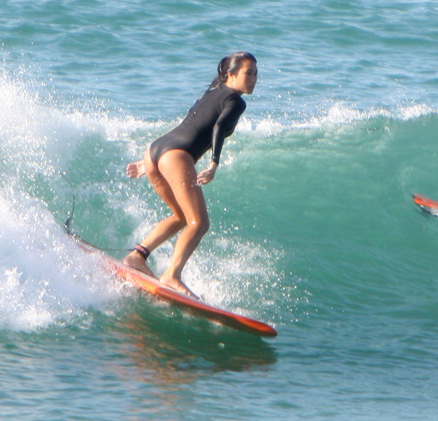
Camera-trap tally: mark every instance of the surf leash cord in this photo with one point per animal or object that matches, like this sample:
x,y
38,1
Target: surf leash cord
x,y
69,221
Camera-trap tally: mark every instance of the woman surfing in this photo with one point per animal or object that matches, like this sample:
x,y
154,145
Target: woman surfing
x,y
169,165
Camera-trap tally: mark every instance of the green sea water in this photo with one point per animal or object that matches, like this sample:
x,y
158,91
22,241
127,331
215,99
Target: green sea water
x,y
313,228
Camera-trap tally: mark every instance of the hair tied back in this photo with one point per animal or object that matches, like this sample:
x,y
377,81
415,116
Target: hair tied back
x,y
230,64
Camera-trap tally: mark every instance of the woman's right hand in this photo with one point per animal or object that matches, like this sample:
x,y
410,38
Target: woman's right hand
x,y
136,169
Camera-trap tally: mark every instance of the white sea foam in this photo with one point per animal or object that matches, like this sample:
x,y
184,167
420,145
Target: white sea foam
x,y
336,115
39,132
44,276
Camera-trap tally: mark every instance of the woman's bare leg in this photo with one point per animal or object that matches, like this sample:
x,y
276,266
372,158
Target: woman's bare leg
x,y
166,228
178,169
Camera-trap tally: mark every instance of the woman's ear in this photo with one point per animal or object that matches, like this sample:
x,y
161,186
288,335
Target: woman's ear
x,y
230,77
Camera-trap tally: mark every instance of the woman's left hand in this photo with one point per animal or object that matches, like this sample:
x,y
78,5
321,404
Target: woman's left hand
x,y
204,177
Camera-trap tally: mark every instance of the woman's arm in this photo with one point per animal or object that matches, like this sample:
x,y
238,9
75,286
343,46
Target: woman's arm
x,y
225,125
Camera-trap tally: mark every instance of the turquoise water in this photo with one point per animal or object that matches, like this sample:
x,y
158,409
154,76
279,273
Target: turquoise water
x,y
313,229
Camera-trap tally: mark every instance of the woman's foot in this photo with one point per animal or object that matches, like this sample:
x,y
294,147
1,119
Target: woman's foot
x,y
136,261
174,283
136,169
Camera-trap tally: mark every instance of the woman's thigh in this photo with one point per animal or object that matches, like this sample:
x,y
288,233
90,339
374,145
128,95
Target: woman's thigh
x,y
178,170
161,186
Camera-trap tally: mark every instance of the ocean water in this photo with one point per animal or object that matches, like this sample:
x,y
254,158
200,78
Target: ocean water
x,y
313,228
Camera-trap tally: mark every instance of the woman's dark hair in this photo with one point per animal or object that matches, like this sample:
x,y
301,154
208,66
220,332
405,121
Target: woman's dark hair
x,y
230,64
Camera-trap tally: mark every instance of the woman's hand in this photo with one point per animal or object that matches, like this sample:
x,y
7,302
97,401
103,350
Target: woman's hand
x,y
204,177
136,169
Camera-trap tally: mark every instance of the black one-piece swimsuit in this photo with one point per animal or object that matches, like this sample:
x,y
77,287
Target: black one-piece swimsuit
x,y
213,118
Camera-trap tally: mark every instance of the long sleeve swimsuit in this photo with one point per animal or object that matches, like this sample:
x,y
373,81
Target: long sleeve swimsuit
x,y
211,119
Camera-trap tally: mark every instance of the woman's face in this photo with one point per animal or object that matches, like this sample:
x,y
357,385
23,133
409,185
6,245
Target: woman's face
x,y
246,78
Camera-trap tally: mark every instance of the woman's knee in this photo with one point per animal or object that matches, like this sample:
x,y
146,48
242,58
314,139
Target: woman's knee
x,y
179,221
201,225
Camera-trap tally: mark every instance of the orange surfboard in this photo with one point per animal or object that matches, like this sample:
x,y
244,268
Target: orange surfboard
x,y
428,205
152,286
